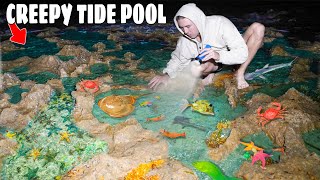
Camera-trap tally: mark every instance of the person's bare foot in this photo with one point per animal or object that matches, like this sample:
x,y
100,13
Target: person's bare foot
x,y
241,82
208,80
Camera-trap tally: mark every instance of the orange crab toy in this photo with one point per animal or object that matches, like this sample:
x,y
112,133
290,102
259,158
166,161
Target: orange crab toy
x,y
89,85
270,114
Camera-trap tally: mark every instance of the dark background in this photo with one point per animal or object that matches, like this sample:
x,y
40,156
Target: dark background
x,y
299,17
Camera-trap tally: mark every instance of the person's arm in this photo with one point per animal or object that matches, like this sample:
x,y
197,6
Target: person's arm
x,y
180,58
238,50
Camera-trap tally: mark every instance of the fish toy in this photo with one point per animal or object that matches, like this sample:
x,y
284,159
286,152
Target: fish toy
x,y
201,106
158,118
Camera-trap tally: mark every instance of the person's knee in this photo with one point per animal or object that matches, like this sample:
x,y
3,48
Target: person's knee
x,y
258,30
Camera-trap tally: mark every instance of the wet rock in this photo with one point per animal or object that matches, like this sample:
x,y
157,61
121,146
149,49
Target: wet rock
x,y
56,84
27,84
308,46
77,51
7,46
301,70
17,115
272,32
82,69
10,79
22,61
46,63
279,51
4,101
46,34
7,147
293,168
100,47
83,107
62,42
35,99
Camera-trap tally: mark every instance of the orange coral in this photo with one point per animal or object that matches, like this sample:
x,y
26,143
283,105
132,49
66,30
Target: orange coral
x,y
140,172
219,77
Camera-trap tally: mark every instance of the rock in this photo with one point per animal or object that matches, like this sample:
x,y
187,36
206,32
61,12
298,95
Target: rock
x,y
22,61
7,46
83,107
78,51
46,34
279,51
45,63
9,80
27,84
301,70
294,168
100,47
7,147
131,146
56,84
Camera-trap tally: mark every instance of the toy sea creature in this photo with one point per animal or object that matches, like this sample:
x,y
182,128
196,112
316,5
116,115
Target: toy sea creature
x,y
118,106
260,155
211,170
158,118
172,134
251,146
270,114
141,171
146,103
265,69
10,134
201,106
89,86
220,135
185,122
35,153
280,149
247,155
65,136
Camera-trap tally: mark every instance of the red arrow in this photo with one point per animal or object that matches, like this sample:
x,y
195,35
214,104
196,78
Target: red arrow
x,y
18,35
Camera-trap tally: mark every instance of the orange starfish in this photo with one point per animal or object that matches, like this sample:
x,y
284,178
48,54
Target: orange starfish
x,y
251,146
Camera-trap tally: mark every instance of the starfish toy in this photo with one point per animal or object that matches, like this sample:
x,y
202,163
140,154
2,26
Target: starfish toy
x,y
251,146
260,155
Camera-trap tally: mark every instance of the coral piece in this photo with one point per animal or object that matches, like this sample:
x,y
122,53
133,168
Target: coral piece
x,y
220,135
270,114
141,171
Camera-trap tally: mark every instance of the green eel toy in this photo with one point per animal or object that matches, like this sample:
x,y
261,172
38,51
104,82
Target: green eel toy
x,y
211,170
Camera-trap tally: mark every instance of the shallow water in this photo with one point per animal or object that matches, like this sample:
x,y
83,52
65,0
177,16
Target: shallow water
x,y
153,55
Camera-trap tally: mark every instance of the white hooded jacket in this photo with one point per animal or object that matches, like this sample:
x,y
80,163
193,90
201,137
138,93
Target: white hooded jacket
x,y
217,31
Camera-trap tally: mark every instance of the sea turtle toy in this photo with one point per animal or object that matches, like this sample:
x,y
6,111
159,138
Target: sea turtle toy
x,y
118,106
201,106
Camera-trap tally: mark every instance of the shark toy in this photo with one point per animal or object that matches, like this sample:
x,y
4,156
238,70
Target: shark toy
x,y
265,69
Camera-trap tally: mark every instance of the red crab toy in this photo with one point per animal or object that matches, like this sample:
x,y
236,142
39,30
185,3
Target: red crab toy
x,y
270,114
89,85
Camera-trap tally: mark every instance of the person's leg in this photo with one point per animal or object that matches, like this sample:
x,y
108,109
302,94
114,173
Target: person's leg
x,y
207,72
253,37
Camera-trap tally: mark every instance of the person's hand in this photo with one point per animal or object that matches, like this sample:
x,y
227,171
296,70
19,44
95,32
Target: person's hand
x,y
208,68
209,53
156,81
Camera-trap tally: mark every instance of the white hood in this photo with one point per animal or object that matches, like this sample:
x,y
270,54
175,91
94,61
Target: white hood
x,y
192,12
